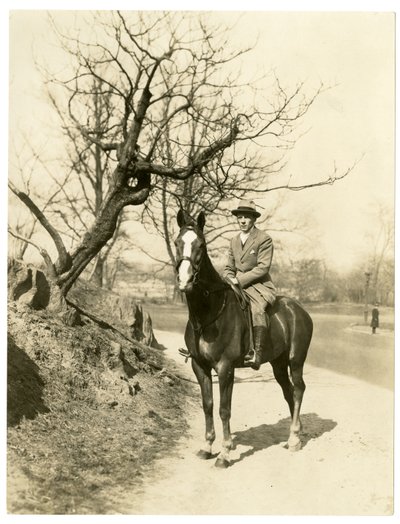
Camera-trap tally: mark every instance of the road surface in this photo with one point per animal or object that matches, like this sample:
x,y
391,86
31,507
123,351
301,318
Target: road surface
x,y
344,468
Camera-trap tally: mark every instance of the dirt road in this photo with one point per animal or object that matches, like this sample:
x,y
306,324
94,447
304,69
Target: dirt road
x,y
344,467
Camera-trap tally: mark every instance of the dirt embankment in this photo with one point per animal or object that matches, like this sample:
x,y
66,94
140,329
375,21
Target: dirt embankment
x,y
88,409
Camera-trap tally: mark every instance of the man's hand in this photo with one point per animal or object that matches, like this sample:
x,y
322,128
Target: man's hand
x,y
234,280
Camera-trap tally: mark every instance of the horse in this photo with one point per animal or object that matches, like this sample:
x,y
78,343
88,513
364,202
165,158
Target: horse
x,y
217,337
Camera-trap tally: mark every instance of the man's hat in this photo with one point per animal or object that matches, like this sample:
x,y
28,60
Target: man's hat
x,y
246,206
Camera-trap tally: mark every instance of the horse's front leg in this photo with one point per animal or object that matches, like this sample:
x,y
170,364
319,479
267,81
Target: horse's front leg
x,y
203,376
294,442
226,375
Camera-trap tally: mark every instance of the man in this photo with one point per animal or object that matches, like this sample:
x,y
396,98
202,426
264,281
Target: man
x,y
375,318
249,262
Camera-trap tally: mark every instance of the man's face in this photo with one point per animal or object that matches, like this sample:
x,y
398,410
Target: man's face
x,y
245,221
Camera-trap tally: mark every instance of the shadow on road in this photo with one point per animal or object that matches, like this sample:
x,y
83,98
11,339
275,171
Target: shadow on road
x,y
266,435
253,379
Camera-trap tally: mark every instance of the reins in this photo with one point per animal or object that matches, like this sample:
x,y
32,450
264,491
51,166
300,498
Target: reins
x,y
203,287
205,291
200,327
196,267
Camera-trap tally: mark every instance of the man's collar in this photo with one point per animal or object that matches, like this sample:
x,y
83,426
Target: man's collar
x,y
245,236
248,232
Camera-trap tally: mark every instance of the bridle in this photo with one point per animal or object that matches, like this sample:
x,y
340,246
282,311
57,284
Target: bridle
x,y
206,292
195,267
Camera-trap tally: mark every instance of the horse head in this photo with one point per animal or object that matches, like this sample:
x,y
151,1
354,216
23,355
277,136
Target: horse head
x,y
190,249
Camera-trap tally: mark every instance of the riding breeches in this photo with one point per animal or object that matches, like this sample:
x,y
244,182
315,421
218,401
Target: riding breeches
x,y
259,303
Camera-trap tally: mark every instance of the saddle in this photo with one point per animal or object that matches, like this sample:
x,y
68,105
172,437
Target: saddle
x,y
243,299
244,303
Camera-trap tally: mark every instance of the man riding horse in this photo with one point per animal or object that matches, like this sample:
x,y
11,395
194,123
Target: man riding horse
x,y
217,331
248,265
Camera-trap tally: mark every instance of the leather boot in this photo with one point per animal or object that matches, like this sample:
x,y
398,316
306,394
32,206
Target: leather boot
x,y
253,358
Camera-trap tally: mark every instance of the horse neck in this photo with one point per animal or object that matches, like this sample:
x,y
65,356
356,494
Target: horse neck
x,y
208,294
208,275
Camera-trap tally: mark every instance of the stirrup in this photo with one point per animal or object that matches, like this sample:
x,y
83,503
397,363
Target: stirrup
x,y
252,360
184,353
250,356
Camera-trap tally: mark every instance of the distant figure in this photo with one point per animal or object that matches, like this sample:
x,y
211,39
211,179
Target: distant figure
x,y
375,318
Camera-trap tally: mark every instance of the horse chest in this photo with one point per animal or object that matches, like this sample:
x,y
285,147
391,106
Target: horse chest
x,y
205,348
208,343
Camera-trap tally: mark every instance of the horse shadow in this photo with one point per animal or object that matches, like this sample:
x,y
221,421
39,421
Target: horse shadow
x,y
24,386
266,435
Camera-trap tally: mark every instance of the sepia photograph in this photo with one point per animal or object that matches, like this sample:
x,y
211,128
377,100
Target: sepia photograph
x,y
200,238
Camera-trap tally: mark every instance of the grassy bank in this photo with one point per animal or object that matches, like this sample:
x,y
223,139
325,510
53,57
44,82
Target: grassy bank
x,y
87,410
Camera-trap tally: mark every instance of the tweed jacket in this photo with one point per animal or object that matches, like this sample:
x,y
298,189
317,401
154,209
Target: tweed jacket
x,y
251,263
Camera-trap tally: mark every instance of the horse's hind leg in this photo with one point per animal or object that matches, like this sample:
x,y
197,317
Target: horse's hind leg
x,y
226,374
204,379
281,374
296,368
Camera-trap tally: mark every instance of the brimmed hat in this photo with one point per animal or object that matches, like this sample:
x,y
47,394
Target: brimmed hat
x,y
246,206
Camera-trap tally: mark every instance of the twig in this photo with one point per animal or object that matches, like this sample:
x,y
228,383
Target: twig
x,y
62,252
42,251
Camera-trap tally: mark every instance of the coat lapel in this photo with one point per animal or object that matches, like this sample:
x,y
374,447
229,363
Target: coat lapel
x,y
249,243
237,247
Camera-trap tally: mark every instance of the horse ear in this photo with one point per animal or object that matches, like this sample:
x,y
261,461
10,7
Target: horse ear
x,y
201,220
180,218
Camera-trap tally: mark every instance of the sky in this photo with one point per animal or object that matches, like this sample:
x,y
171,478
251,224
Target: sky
x,y
352,53
353,120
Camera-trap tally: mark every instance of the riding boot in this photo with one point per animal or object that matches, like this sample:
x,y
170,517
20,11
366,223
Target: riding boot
x,y
253,358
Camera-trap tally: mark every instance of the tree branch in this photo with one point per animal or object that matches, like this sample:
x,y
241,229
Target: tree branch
x,y
46,257
64,259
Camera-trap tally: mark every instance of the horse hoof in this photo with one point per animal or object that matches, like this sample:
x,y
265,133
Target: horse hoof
x,y
204,455
222,463
295,447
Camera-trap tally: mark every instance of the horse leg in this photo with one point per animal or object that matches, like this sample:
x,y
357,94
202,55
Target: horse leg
x,y
280,369
226,375
299,387
204,379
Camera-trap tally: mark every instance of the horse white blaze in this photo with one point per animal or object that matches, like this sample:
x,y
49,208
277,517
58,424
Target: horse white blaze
x,y
183,273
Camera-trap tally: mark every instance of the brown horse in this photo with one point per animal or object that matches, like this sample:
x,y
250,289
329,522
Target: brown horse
x,y
217,336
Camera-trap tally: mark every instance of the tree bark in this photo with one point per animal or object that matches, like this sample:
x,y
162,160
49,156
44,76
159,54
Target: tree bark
x,y
97,277
36,289
103,228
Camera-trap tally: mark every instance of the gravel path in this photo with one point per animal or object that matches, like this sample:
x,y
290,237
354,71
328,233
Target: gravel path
x,y
344,468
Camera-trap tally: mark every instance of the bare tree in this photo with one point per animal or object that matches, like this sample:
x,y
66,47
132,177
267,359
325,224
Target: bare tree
x,y
381,239
90,171
24,169
161,72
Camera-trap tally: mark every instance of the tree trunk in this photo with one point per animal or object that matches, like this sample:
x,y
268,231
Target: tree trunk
x,y
119,196
97,277
34,288
92,243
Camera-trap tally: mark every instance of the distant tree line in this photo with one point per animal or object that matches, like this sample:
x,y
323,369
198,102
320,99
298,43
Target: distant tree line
x,y
311,280
307,279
